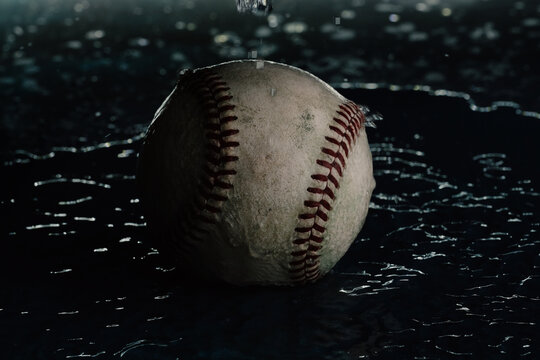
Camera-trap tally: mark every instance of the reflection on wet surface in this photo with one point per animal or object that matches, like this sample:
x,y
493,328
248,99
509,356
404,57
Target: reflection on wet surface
x,y
447,265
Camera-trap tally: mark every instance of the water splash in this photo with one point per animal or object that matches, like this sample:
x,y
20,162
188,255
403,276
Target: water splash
x,y
257,7
372,117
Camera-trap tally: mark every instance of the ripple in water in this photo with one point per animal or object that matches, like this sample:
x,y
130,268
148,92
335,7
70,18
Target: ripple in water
x,y
447,264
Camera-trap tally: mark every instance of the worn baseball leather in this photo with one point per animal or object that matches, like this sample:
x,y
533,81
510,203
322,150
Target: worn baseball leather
x,y
256,172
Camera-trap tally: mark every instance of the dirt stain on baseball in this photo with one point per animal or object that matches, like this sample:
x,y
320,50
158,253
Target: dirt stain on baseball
x,y
307,119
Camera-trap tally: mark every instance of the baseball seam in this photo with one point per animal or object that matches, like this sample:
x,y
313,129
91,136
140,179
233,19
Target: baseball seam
x,y
220,152
309,234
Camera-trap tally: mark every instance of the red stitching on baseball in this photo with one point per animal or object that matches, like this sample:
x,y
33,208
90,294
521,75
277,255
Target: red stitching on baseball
x,y
342,114
331,165
332,140
311,204
322,215
227,119
335,154
333,128
216,180
318,227
315,190
305,265
333,180
223,98
340,122
349,140
312,237
225,108
226,159
230,132
326,205
319,177
222,184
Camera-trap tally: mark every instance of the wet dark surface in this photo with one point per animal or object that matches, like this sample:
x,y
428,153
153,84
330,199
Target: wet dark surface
x,y
447,265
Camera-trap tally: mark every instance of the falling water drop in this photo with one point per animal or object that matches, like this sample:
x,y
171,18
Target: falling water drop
x,y
258,7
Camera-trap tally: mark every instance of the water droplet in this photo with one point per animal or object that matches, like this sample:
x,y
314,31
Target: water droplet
x,y
140,41
17,30
221,38
262,32
81,6
95,34
74,44
257,7
295,27
273,21
422,7
348,14
393,18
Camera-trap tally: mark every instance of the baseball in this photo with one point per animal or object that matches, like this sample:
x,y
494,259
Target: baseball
x,y
256,172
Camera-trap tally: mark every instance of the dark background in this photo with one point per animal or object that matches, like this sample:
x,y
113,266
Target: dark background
x,y
447,265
